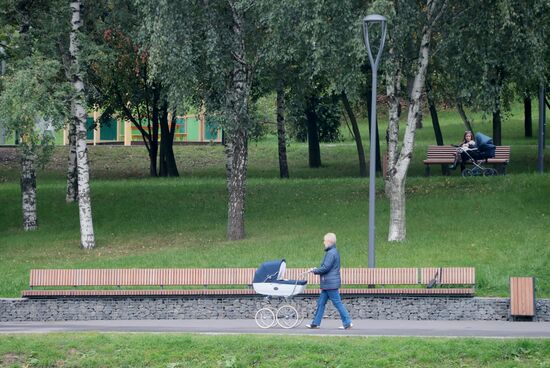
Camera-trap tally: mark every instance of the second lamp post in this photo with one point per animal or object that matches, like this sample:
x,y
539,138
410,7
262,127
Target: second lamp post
x,y
374,62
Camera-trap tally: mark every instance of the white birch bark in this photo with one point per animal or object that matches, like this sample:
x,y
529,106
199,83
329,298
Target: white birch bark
x,y
28,188
72,173
237,106
78,110
393,91
398,173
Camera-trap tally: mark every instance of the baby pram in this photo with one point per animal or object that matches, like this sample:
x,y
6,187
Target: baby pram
x,y
484,149
269,280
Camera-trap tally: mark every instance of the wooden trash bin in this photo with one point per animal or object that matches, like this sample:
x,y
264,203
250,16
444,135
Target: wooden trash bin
x,y
522,297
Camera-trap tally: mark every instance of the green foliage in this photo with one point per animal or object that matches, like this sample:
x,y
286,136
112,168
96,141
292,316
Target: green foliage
x,y
328,113
34,96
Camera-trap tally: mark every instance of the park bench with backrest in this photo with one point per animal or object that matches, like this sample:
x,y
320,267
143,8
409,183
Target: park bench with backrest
x,y
458,281
445,155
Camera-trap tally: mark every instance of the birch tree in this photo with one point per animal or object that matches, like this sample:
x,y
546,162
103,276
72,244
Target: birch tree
x,y
214,48
32,98
399,160
79,116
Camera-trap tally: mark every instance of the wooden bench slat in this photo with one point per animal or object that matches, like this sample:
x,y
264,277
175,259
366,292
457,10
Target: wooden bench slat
x,y
448,275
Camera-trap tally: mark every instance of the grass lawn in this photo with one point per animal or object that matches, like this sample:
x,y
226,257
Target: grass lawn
x,y
175,350
498,225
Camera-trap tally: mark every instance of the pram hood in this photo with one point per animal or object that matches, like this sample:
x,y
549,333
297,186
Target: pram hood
x,y
485,146
270,271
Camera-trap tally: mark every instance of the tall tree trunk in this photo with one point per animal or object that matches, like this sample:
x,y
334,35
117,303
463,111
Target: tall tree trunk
x,y
356,135
528,115
237,106
462,113
167,160
393,91
28,187
435,123
237,186
78,110
164,135
369,112
398,175
410,86
154,142
171,159
72,173
398,224
281,134
314,148
28,155
497,117
497,126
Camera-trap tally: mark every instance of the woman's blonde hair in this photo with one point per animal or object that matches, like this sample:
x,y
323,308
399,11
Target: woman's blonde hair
x,y
331,237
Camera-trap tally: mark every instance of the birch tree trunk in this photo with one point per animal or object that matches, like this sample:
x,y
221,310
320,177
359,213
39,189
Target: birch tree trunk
x,y
28,155
393,91
398,173
281,134
237,187
28,188
72,173
78,110
237,106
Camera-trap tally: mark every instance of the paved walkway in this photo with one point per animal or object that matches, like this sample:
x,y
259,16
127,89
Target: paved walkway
x,y
330,327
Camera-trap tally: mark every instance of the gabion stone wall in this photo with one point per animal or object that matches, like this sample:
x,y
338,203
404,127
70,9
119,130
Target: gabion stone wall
x,y
244,307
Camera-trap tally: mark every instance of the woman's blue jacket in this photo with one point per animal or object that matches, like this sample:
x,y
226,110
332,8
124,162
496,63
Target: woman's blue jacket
x,y
330,269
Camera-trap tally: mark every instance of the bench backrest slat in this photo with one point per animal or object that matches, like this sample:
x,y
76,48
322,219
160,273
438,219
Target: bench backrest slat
x,y
501,152
448,275
363,276
142,277
241,276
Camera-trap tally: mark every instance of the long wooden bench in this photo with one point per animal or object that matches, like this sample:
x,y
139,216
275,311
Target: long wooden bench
x,y
522,296
445,155
458,281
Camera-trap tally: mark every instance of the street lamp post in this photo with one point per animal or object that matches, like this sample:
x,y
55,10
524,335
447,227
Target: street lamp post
x,y
374,62
542,129
2,71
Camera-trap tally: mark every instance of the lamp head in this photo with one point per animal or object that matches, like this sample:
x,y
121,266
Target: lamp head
x,y
374,19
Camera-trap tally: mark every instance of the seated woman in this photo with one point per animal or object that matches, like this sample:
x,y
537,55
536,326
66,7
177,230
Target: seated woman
x,y
468,143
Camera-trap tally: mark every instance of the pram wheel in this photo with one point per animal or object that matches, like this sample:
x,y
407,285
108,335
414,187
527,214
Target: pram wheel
x,y
490,172
265,318
467,172
287,316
